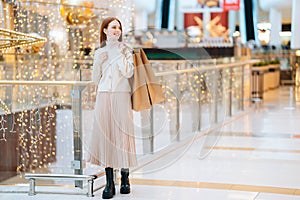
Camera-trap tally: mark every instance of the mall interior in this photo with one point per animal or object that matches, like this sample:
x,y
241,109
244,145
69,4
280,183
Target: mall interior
x,y
227,130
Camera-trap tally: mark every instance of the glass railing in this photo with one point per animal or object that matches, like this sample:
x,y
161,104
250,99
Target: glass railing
x,y
45,122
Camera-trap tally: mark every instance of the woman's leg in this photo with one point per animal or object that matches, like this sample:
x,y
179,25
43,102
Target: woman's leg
x,y
109,190
125,185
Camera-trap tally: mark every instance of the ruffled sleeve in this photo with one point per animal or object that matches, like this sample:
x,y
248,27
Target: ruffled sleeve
x,y
97,68
126,63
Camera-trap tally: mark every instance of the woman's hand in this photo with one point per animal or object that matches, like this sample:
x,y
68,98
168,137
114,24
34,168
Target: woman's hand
x,y
124,48
103,57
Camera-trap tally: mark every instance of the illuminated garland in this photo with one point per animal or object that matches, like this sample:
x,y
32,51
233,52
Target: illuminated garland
x,y
17,39
4,107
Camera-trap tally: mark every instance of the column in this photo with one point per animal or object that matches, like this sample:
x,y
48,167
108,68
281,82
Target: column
x,y
231,21
165,7
8,17
1,15
158,14
206,20
255,21
295,40
249,19
141,20
242,19
142,9
172,11
168,14
275,20
179,16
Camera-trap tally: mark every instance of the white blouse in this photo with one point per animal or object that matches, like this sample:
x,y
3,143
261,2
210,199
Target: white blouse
x,y
113,74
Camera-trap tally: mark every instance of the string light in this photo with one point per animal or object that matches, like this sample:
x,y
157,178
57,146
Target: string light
x,y
17,39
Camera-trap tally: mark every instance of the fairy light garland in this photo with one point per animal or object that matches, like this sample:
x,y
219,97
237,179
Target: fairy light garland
x,y
17,39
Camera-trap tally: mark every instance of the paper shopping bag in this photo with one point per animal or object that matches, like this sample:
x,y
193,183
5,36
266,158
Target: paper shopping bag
x,y
140,96
146,90
154,87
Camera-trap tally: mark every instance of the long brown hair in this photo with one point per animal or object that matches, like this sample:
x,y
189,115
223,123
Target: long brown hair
x,y
104,25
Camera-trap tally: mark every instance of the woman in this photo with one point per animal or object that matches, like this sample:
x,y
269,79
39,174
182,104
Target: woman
x,y
112,143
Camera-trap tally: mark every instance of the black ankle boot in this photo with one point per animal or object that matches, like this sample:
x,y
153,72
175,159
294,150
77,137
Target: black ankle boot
x,y
125,186
109,190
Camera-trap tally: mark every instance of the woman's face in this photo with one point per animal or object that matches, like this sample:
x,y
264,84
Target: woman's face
x,y
113,31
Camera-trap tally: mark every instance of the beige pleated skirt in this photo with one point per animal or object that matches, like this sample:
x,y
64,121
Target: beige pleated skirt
x,y
112,143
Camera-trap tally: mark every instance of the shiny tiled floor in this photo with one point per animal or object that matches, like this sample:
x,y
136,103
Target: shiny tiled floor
x,y
256,157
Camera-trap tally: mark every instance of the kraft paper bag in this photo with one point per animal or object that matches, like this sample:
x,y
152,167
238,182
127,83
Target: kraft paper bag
x,y
146,90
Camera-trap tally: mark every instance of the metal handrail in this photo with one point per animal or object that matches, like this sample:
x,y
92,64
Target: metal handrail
x,y
218,66
86,83
46,83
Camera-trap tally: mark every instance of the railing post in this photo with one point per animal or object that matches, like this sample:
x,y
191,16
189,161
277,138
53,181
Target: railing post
x,y
215,95
230,92
146,123
199,102
151,136
243,88
90,188
77,132
177,105
31,187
